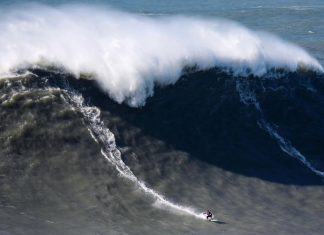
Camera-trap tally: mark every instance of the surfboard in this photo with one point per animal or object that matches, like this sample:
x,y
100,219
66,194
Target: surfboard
x,y
217,221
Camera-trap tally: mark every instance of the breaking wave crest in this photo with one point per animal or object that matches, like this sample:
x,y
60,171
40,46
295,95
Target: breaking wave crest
x,y
128,54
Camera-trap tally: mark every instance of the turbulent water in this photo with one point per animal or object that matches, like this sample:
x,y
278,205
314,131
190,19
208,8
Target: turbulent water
x,y
136,120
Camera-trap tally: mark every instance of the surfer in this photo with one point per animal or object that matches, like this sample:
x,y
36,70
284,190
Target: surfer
x,y
208,214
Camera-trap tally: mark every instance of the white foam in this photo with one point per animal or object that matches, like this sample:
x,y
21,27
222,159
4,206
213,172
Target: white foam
x,y
128,54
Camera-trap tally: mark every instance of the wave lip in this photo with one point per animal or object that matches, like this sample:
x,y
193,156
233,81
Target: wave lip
x,y
128,54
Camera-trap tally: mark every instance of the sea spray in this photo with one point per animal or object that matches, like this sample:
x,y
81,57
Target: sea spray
x,y
129,54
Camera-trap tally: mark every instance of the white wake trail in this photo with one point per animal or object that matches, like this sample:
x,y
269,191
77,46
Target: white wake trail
x,y
106,138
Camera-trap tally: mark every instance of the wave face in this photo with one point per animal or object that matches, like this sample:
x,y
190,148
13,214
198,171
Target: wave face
x,y
128,54
254,126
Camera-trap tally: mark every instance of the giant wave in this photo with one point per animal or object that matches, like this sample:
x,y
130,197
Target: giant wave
x,y
240,131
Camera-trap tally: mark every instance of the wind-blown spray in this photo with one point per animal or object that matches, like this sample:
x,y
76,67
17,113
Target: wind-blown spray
x,y
128,54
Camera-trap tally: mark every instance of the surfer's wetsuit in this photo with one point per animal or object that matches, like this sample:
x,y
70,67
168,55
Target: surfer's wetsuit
x,y
209,214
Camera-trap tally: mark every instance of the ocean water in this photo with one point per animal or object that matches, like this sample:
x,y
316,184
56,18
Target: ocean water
x,y
134,117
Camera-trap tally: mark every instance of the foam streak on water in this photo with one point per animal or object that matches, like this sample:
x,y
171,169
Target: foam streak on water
x,y
248,97
105,137
287,147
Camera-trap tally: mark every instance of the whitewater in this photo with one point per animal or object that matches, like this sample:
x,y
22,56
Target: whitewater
x,y
129,54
